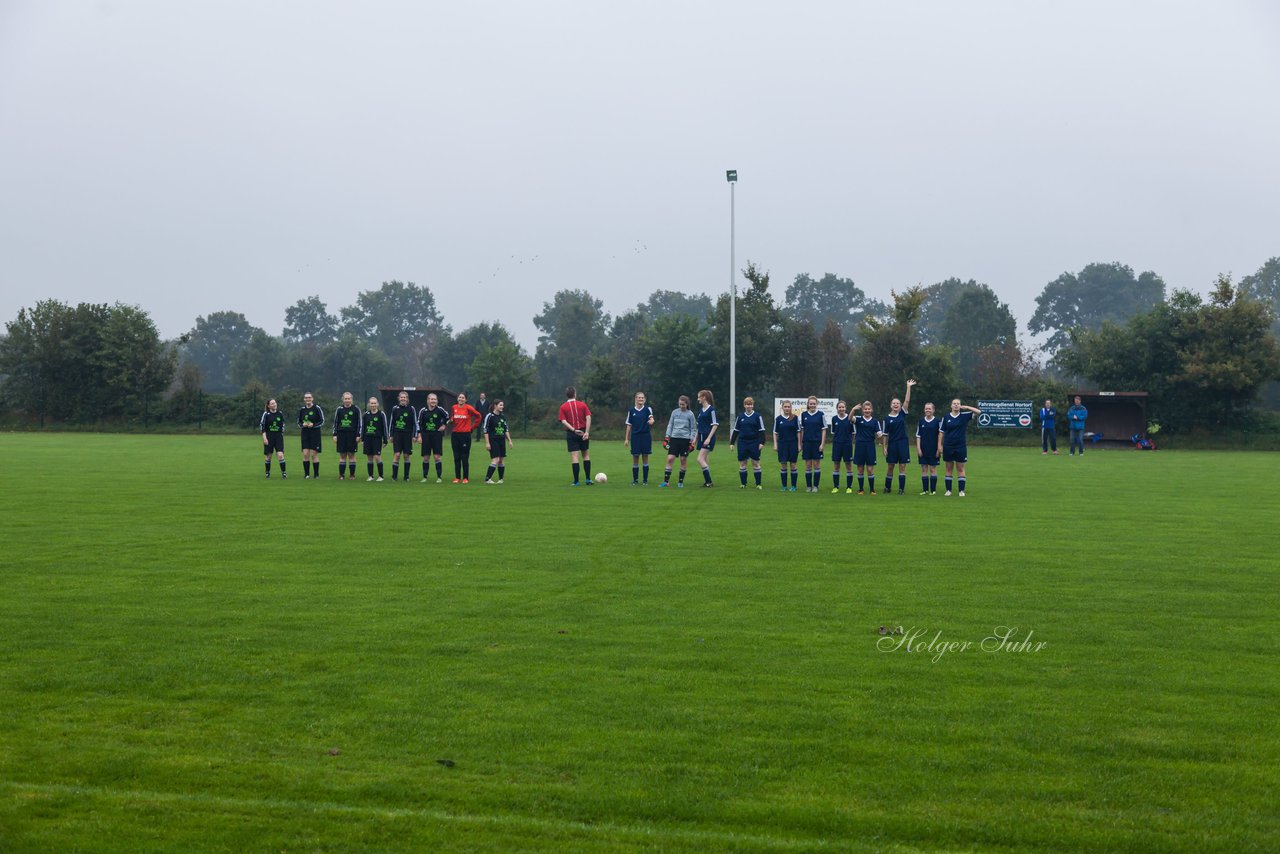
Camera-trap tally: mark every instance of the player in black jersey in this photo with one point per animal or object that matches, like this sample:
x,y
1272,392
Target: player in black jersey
x,y
346,435
375,431
310,420
433,421
496,441
271,426
404,426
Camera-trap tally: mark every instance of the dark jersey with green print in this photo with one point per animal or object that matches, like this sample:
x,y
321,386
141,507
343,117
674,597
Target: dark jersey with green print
x,y
376,424
433,420
404,419
346,419
495,425
272,422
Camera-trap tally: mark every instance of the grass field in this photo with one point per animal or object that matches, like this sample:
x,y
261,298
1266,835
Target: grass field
x,y
196,658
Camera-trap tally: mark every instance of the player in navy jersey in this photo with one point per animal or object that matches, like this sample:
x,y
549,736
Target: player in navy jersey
x,y
955,450
433,421
748,434
813,438
640,437
375,431
271,425
841,448
404,426
682,433
310,420
897,447
708,424
928,450
496,441
786,444
346,435
866,429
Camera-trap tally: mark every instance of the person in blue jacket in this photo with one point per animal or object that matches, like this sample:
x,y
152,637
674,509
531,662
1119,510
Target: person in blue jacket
x,y
1048,421
1076,416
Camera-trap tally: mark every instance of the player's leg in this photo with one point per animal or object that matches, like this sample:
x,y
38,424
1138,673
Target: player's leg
x,y
960,478
666,474
950,467
586,465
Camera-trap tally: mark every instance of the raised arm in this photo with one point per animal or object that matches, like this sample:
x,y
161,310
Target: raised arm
x,y
906,400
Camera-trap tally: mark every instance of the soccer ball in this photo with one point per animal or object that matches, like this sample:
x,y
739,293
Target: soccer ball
x,y
601,477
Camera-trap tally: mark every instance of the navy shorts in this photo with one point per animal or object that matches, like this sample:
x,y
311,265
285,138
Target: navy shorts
x,y
929,459
702,443
898,452
432,443
275,442
576,442
402,442
787,452
641,444
841,452
955,455
748,451
347,442
811,450
372,445
864,454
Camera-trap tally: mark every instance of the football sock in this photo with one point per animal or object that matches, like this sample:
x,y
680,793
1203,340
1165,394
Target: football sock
x,y
306,467
947,480
961,484
784,478
268,465
502,471
488,475
282,467
586,469
924,482
439,468
379,469
861,482
682,475
577,471
395,472
848,480
795,477
759,475
635,473
808,478
315,469
835,478
370,466
666,475
933,483
706,474
426,469
646,474
742,476
902,483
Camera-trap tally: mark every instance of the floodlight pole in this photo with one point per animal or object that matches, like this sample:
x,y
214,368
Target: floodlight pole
x,y
732,177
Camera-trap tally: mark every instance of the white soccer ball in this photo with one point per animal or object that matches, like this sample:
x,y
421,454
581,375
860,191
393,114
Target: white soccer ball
x,y
602,478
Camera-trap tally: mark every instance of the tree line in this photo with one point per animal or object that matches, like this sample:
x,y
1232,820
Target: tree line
x,y
1204,361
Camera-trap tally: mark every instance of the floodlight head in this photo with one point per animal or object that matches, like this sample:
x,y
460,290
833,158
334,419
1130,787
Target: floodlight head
x,y
731,175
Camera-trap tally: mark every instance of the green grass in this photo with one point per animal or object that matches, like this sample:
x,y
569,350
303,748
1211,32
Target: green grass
x,y
185,643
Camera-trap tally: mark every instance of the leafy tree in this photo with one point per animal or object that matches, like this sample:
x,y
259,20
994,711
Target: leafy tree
x,y
799,372
573,325
830,298
680,358
264,359
759,337
938,299
603,384
455,353
1085,300
212,344
31,358
890,354
503,371
137,366
352,364
1264,286
832,358
663,303
977,320
308,321
401,320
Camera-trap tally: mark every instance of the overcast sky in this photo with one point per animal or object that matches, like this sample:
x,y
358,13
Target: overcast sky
x,y
191,157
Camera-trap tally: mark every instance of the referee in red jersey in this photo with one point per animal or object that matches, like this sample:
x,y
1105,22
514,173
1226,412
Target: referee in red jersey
x,y
576,418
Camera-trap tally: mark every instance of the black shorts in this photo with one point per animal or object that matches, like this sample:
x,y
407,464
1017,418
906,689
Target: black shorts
x,y
275,442
898,452
841,452
497,446
703,443
788,452
347,442
372,445
864,454
955,455
432,443
748,451
641,444
576,442
402,442
311,439
679,447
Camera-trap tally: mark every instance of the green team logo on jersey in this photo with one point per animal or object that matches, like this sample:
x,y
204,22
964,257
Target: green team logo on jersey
x,y
346,421
371,428
400,419
500,429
